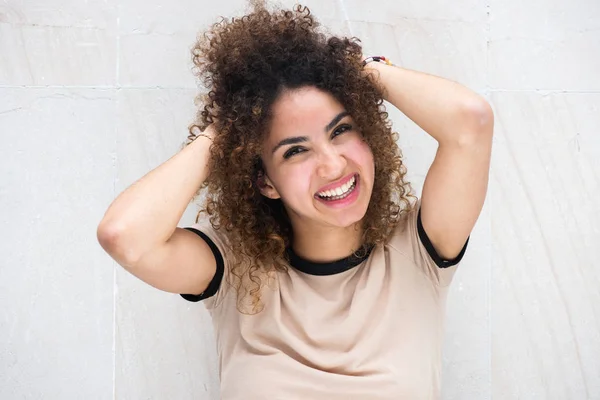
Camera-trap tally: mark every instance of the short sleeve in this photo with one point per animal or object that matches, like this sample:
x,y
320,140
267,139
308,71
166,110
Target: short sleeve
x,y
218,244
412,239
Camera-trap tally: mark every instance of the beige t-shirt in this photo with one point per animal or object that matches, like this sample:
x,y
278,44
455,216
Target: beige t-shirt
x,y
351,329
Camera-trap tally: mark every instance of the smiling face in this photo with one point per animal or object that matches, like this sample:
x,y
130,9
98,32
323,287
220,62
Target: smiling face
x,y
316,161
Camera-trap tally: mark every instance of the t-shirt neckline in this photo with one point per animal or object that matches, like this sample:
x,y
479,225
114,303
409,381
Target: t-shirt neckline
x,y
326,268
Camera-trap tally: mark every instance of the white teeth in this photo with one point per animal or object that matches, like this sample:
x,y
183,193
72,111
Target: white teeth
x,y
338,191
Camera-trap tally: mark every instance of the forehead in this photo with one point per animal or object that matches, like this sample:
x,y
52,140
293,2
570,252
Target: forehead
x,y
300,112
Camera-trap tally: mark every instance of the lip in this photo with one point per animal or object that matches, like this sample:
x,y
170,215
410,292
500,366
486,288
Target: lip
x,y
336,184
346,201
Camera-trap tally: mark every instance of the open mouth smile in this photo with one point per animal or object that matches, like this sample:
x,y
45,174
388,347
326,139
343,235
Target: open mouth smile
x,y
340,192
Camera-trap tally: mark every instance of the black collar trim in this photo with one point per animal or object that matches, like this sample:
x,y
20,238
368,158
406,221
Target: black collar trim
x,y
326,268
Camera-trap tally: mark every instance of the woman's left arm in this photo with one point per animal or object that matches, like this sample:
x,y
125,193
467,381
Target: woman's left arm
x,y
462,123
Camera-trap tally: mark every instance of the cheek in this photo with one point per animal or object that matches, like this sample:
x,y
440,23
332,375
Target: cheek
x,y
362,155
294,180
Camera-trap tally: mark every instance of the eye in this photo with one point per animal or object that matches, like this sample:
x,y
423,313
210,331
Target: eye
x,y
293,151
341,129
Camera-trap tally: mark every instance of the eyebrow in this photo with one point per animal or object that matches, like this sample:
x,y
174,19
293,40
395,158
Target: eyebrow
x,y
300,139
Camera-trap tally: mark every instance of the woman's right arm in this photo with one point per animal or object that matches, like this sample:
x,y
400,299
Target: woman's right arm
x,y
139,229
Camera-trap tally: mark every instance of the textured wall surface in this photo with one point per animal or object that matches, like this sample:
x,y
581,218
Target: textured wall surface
x,y
95,94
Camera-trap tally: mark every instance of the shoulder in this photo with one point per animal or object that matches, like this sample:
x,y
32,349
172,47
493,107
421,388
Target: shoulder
x,y
410,239
219,243
216,235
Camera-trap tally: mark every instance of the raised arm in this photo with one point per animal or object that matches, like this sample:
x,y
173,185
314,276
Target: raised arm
x,y
139,229
462,123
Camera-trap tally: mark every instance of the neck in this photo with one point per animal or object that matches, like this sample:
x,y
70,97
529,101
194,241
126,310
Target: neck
x,y
326,244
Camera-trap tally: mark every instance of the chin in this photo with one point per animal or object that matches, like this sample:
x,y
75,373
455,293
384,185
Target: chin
x,y
349,219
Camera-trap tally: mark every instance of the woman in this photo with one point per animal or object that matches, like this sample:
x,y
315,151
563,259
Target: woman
x,y
323,280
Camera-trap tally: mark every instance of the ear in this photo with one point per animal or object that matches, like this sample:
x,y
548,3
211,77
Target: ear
x,y
266,186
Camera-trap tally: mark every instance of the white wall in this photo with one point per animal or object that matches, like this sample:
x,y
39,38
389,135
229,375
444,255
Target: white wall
x,y
95,94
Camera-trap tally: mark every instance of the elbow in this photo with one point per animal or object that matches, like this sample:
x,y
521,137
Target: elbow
x,y
107,236
111,240
476,121
479,114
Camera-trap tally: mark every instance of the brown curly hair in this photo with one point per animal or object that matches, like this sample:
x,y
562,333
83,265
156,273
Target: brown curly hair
x,y
246,63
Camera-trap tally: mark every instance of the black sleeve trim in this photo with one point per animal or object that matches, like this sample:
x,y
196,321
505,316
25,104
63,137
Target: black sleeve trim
x,y
215,283
439,261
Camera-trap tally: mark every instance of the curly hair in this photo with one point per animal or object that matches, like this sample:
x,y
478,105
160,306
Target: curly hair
x,y
246,64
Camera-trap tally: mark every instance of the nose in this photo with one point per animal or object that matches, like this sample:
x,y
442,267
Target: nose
x,y
331,164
